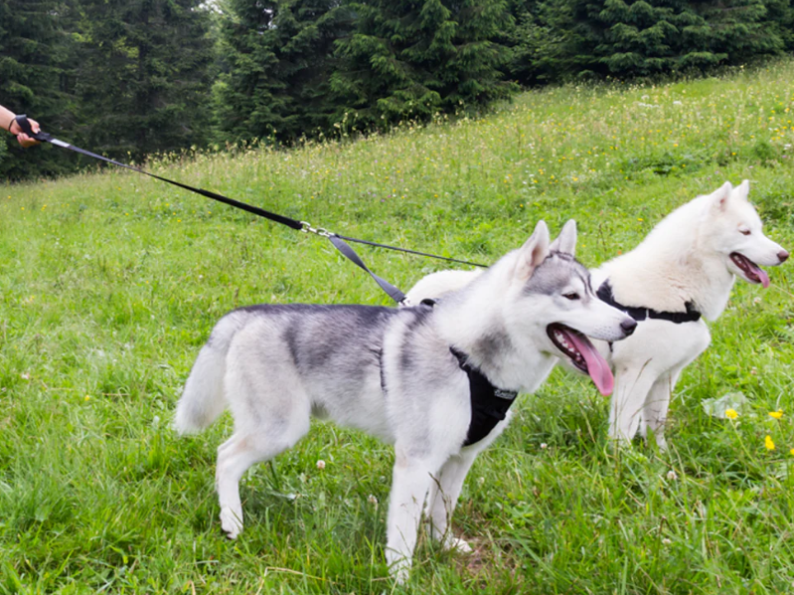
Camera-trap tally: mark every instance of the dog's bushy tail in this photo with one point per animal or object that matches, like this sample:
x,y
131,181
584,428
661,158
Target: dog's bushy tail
x,y
203,399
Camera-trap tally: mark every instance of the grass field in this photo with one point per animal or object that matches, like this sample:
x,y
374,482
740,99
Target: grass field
x,y
111,282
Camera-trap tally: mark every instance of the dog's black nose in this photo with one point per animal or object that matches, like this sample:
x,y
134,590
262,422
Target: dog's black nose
x,y
628,326
782,256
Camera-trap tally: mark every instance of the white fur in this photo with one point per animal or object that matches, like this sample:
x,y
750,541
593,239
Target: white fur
x,y
251,363
685,258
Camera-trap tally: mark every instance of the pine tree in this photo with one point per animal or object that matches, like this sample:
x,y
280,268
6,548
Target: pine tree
x,y
743,30
144,75
636,38
541,42
279,56
413,58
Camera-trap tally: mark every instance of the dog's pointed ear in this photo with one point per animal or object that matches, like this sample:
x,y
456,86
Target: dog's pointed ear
x,y
742,191
533,252
720,197
566,241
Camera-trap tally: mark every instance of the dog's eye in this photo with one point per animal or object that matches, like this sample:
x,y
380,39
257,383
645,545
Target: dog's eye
x,y
571,296
744,232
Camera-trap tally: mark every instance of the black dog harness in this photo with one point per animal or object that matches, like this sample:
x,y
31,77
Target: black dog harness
x,y
489,404
604,293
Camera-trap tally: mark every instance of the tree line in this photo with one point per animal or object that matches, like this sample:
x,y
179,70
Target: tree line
x,y
131,78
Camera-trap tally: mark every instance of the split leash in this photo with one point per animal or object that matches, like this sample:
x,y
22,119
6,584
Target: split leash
x,y
339,241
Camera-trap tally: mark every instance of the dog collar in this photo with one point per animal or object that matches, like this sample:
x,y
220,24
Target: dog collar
x,y
691,315
489,404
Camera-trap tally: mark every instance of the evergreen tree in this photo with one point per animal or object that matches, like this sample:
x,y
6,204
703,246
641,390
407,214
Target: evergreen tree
x,y
631,38
36,57
143,79
279,55
412,58
541,42
743,30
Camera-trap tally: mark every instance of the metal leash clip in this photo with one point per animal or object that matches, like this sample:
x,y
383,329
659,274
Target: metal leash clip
x,y
307,228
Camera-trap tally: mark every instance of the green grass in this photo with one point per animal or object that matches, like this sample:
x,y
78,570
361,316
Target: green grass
x,y
111,282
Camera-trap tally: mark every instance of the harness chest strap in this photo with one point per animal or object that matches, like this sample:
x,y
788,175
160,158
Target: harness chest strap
x,y
489,404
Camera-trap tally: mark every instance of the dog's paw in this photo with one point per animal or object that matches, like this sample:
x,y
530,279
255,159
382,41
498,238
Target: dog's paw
x,y
231,523
400,572
456,544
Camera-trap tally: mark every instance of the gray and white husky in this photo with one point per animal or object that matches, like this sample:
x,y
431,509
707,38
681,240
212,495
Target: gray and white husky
x,y
685,268
392,373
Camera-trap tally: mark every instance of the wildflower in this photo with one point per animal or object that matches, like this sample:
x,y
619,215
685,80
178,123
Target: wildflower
x,y
666,541
372,500
776,414
731,413
672,475
87,398
321,464
768,443
25,376
791,452
544,445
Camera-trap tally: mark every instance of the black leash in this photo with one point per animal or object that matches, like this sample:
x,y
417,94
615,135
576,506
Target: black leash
x,y
337,240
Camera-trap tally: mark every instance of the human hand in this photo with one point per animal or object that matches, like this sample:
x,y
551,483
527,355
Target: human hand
x,y
23,138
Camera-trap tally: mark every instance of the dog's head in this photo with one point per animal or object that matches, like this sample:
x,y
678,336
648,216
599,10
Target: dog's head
x,y
550,295
732,229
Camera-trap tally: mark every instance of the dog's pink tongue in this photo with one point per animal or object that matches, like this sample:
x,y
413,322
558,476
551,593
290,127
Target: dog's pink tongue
x,y
597,367
763,276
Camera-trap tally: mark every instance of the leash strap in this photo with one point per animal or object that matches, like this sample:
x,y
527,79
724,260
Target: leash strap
x,y
394,293
337,240
24,123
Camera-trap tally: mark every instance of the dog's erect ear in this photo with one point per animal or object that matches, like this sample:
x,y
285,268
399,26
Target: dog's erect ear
x,y
720,197
533,252
742,191
566,241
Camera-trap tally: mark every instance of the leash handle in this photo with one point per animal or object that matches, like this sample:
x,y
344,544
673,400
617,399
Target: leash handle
x,y
27,128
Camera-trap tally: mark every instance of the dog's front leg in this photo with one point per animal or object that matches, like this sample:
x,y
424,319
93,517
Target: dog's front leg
x,y
411,482
444,496
654,413
631,388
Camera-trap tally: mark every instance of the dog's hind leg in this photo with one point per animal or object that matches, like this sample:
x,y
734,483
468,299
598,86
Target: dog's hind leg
x,y
235,456
631,388
443,497
271,413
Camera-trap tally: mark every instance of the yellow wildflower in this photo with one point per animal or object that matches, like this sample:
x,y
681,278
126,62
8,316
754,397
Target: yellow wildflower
x,y
768,443
776,414
731,413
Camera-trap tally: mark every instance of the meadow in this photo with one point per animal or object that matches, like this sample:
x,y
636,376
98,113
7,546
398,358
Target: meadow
x,y
110,282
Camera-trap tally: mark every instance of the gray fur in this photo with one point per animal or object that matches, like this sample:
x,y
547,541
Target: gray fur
x,y
555,273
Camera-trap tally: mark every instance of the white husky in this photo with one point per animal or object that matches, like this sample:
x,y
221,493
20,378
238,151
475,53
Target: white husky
x,y
405,375
685,267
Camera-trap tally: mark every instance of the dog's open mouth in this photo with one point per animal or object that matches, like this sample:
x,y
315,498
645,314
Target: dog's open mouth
x,y
583,355
752,271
